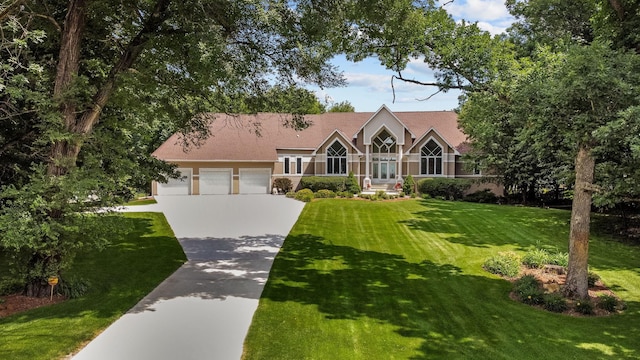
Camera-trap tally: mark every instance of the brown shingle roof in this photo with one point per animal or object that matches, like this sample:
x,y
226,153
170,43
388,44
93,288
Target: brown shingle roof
x,y
233,139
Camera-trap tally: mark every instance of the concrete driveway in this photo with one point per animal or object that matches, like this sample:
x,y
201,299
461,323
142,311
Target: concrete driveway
x,y
203,310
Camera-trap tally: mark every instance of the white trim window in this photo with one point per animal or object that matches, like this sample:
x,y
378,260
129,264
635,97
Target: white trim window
x,y
431,159
292,165
337,159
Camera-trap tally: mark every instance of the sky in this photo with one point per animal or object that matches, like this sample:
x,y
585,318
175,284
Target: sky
x,y
369,83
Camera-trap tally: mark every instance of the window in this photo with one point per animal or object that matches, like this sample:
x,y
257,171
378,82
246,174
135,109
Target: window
x,y
299,165
336,159
384,146
431,159
293,165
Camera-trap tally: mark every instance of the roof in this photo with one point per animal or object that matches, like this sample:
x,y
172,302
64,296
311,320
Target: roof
x,y
233,137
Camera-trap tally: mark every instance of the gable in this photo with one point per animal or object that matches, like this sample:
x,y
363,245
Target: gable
x,y
383,119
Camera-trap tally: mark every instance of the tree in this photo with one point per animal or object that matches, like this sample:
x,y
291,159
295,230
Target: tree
x,y
343,106
88,82
559,83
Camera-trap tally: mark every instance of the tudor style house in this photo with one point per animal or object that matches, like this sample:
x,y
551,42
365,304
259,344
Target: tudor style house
x,y
380,148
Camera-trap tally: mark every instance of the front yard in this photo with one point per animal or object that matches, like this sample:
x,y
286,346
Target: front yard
x,y
119,277
404,280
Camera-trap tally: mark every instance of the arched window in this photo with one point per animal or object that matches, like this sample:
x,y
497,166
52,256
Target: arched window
x,y
431,159
384,156
336,159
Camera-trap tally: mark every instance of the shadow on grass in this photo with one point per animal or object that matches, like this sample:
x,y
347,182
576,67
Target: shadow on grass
x,y
485,226
137,259
455,315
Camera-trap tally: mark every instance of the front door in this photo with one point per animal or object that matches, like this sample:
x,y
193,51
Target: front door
x,y
384,170
384,157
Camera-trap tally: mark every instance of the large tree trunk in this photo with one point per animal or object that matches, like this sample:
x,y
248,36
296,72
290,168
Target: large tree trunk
x,y
576,285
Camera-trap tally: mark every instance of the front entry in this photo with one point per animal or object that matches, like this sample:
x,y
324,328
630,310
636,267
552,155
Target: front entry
x,y
384,170
384,157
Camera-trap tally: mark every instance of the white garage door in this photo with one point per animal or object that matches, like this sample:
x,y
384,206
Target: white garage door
x,y
254,181
215,181
180,186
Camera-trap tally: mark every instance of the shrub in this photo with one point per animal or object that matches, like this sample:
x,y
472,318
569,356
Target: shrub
x,y
536,258
325,194
608,302
592,279
482,196
381,194
72,288
401,194
452,189
554,302
291,194
504,263
10,286
345,194
352,185
409,185
584,307
528,290
305,195
559,258
315,183
283,185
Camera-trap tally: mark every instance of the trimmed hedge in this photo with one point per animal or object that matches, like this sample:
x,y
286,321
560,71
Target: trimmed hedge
x,y
315,183
450,189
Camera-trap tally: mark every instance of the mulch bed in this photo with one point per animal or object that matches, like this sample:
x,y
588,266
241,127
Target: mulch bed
x,y
552,282
15,303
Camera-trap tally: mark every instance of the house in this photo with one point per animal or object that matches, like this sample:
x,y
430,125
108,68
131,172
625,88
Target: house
x,y
380,149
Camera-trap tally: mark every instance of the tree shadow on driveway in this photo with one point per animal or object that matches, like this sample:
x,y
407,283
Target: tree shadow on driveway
x,y
218,268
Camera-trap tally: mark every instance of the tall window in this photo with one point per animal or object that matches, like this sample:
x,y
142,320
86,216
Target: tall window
x,y
336,159
384,156
431,159
293,165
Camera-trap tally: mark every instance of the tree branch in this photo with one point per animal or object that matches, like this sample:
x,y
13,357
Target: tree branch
x,y
128,57
4,13
618,8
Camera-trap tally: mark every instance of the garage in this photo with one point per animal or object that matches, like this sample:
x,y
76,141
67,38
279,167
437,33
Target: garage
x,y
215,181
179,186
255,181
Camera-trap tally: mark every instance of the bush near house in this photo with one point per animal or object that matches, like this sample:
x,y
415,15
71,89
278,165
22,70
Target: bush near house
x,y
284,185
352,185
315,183
409,184
325,194
305,195
450,189
482,196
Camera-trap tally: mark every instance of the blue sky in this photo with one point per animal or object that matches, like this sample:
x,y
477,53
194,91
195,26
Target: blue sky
x,y
369,83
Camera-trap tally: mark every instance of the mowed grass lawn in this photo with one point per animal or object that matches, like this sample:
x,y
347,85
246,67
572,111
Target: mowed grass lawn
x,y
404,280
119,277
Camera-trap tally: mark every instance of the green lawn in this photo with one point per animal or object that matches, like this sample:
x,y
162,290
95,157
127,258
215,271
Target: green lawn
x,y
141,202
120,276
404,280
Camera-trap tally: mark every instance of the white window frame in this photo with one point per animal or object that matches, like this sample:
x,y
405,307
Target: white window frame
x,y
426,170
294,165
341,158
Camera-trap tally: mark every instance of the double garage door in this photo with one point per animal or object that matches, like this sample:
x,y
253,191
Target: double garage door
x,y
218,182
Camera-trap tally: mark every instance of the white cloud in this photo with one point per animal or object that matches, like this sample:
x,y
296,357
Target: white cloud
x,y
491,15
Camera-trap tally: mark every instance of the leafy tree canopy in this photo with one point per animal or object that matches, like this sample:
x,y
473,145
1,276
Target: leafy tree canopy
x,y
343,106
89,88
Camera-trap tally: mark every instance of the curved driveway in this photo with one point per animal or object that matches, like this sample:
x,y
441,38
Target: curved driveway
x,y
203,310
